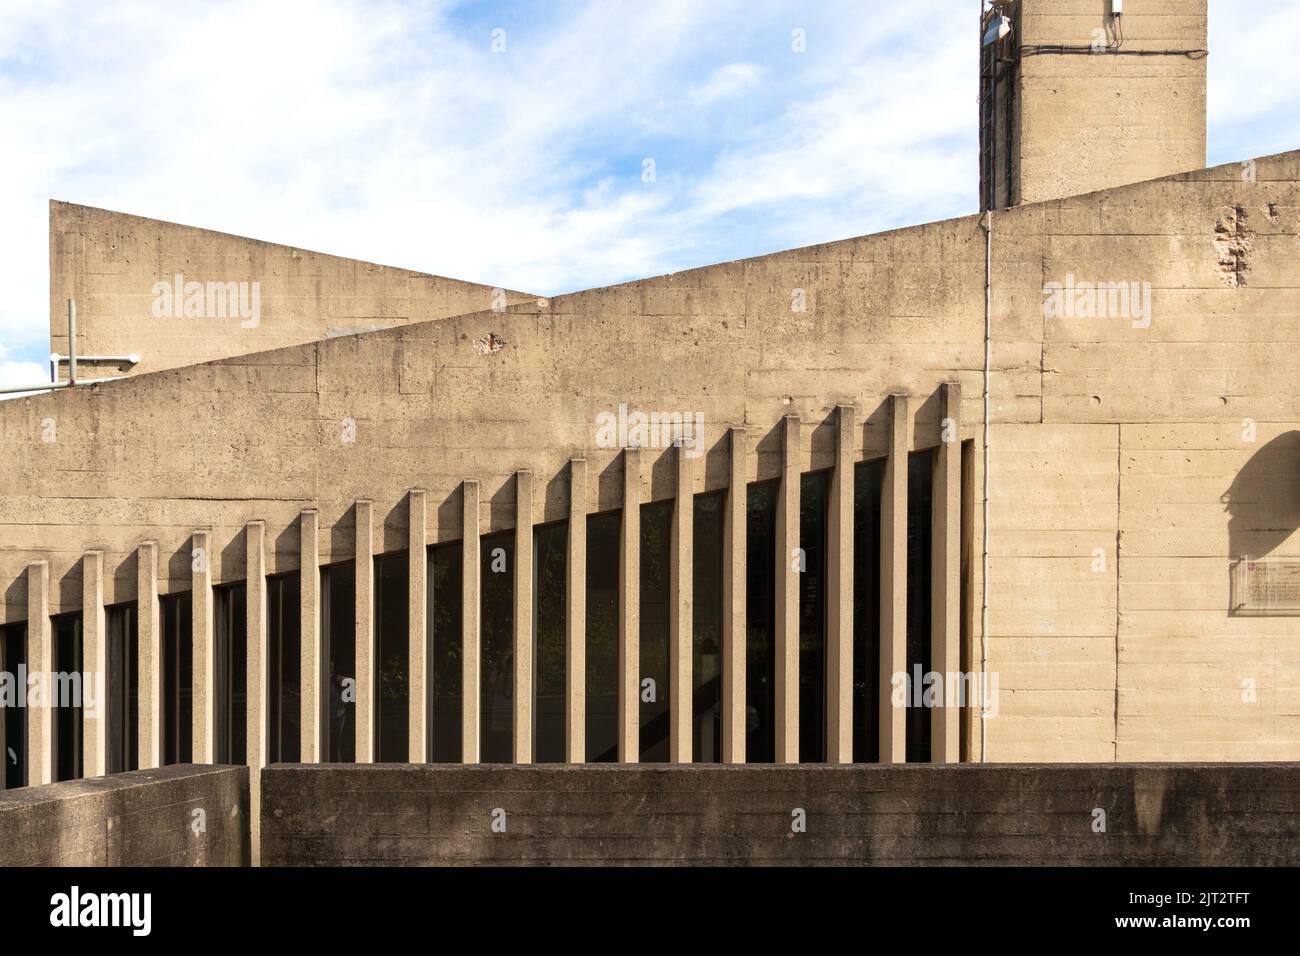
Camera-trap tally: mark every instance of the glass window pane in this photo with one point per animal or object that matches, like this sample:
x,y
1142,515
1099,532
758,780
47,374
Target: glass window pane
x,y
66,694
603,532
175,613
920,487
868,481
123,686
496,714
656,606
392,642
13,720
284,670
446,642
338,602
760,603
707,627
230,605
550,552
813,490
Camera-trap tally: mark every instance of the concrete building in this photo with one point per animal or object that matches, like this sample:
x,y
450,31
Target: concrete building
x,y
346,512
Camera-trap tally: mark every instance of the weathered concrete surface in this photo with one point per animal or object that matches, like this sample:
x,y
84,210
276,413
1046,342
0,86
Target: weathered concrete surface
x,y
110,262
142,818
1226,815
1087,121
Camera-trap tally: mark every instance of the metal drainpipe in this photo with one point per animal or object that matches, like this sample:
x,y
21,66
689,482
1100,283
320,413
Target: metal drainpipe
x,y
54,382
984,583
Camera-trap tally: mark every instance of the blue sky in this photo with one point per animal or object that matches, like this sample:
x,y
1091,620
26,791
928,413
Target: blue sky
x,y
393,132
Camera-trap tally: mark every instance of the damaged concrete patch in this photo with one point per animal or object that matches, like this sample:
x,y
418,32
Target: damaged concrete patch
x,y
492,343
1235,244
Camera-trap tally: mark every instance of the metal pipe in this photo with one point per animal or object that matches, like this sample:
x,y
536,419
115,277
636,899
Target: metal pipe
x,y
984,582
72,341
55,359
133,359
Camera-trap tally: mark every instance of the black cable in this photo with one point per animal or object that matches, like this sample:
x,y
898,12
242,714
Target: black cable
x,y
1039,49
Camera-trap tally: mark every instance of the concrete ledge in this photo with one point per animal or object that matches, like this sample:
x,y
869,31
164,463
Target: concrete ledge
x,y
142,818
1155,814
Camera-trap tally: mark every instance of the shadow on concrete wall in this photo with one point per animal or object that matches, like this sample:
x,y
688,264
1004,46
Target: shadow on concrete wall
x,y
1263,505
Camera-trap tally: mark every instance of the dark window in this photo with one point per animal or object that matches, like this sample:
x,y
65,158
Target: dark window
x,y
13,713
920,487
446,642
868,482
392,643
656,608
123,689
707,597
812,618
760,615
284,668
65,690
497,610
338,628
550,560
175,611
603,532
230,611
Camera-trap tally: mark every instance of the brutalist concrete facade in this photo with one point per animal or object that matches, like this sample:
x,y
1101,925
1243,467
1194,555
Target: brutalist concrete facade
x,y
1141,434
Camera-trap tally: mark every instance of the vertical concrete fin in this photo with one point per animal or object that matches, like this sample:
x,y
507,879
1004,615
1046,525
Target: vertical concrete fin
x,y
40,660
893,581
94,667
417,641
203,741
523,618
787,595
257,675
734,563
149,660
839,595
575,640
945,589
365,632
469,588
681,686
309,633
629,613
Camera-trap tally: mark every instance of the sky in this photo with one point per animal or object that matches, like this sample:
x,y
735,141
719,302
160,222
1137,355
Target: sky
x,y
510,143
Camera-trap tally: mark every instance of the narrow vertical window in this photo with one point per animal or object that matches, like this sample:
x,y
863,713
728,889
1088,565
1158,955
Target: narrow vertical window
x,y
656,605
123,688
602,635
338,628
550,559
178,661
392,641
706,630
868,483
230,604
446,643
66,691
13,719
496,614
284,668
760,615
920,517
813,491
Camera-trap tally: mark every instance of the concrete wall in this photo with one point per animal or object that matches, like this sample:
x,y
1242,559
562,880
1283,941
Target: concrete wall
x,y
143,818
1153,815
110,261
1114,447
1087,121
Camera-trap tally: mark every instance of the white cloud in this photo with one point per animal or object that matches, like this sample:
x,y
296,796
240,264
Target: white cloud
x,y
726,82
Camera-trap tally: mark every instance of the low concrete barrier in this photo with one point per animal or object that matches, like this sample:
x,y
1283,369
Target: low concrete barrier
x,y
183,815
1139,814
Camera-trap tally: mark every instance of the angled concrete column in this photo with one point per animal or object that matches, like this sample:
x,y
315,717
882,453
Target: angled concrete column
x,y
94,667
681,685
945,612
149,662
40,660
417,640
839,595
787,596
629,612
523,619
734,526
365,632
257,674
204,650
893,582
469,618
575,619
309,633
